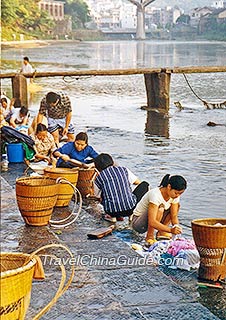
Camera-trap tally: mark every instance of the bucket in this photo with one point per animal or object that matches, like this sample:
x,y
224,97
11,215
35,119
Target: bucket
x,y
65,191
36,198
17,271
85,182
15,152
210,239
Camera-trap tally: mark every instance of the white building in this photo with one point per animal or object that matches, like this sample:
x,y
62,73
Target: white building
x,y
218,4
128,16
112,14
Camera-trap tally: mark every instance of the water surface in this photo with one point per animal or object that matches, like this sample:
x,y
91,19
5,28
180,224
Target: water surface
x,y
109,109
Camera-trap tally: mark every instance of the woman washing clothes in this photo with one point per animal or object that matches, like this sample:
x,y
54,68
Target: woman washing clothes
x,y
76,154
44,144
113,186
159,208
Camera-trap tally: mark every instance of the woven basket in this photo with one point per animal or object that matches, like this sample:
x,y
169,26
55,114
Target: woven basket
x,y
85,182
36,198
16,282
65,191
17,272
210,241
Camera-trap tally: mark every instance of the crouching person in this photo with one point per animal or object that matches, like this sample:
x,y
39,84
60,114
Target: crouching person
x,y
158,210
113,185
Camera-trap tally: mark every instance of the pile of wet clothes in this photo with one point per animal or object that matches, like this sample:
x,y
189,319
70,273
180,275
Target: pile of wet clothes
x,y
179,253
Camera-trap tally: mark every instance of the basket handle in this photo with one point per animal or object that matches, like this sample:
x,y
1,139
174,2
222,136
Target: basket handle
x,y
58,223
62,286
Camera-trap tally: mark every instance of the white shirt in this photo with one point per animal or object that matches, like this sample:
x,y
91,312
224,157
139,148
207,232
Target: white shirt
x,y
153,196
16,116
26,68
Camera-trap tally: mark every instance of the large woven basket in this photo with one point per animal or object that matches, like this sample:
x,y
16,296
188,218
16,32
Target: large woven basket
x,y
36,198
65,191
210,239
17,272
85,182
16,282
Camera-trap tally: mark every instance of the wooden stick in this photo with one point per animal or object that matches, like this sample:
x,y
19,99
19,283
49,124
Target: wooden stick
x,y
206,284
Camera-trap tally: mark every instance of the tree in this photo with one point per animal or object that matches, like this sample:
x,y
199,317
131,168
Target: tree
x,y
140,33
8,11
184,18
24,16
79,12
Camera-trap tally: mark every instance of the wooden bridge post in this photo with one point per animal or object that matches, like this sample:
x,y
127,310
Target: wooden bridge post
x,y
19,89
158,97
158,90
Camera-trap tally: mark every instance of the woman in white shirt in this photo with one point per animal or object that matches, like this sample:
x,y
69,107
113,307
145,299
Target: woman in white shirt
x,y
159,208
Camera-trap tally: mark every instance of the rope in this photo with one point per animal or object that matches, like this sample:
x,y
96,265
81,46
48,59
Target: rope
x,y
73,78
208,105
193,90
62,286
58,223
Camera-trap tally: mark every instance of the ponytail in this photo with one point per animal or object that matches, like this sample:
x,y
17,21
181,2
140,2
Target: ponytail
x,y
165,181
177,182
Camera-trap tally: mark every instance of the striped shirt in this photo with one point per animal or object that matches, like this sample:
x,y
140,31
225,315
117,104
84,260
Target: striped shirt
x,y
116,191
59,111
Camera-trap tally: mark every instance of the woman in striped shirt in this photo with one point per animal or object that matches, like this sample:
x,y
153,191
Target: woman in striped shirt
x,y
113,185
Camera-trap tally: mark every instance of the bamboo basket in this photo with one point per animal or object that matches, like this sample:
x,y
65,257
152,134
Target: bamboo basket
x,y
17,271
36,198
85,182
210,241
65,191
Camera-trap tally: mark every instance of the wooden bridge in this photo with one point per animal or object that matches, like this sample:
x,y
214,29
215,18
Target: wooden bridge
x,y
157,82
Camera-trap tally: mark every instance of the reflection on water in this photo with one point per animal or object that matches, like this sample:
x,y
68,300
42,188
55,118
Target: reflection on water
x,y
120,54
157,124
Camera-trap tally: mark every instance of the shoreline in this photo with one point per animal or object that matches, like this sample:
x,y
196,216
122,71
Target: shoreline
x,y
33,43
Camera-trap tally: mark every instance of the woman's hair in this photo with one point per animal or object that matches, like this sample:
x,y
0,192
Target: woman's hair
x,y
41,127
177,182
103,161
26,59
23,111
52,97
82,136
3,100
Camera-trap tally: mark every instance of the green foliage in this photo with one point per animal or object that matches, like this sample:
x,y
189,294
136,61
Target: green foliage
x,y
24,17
8,11
79,12
214,30
184,18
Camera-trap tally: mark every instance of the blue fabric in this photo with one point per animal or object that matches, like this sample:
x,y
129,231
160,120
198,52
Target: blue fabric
x,y
73,153
116,191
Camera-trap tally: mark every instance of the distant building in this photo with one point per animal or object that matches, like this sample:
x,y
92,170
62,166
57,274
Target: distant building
x,y
222,16
54,8
198,13
219,4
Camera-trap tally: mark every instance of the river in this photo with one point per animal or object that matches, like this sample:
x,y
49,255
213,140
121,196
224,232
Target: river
x,y
108,107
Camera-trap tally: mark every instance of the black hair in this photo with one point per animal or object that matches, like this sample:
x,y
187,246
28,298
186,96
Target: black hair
x,y
52,97
23,111
26,59
82,136
3,100
41,127
103,161
177,182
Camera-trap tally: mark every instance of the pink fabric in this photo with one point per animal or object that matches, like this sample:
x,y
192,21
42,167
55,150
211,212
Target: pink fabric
x,y
179,244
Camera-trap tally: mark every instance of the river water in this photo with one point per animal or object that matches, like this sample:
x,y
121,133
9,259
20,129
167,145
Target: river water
x,y
108,107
